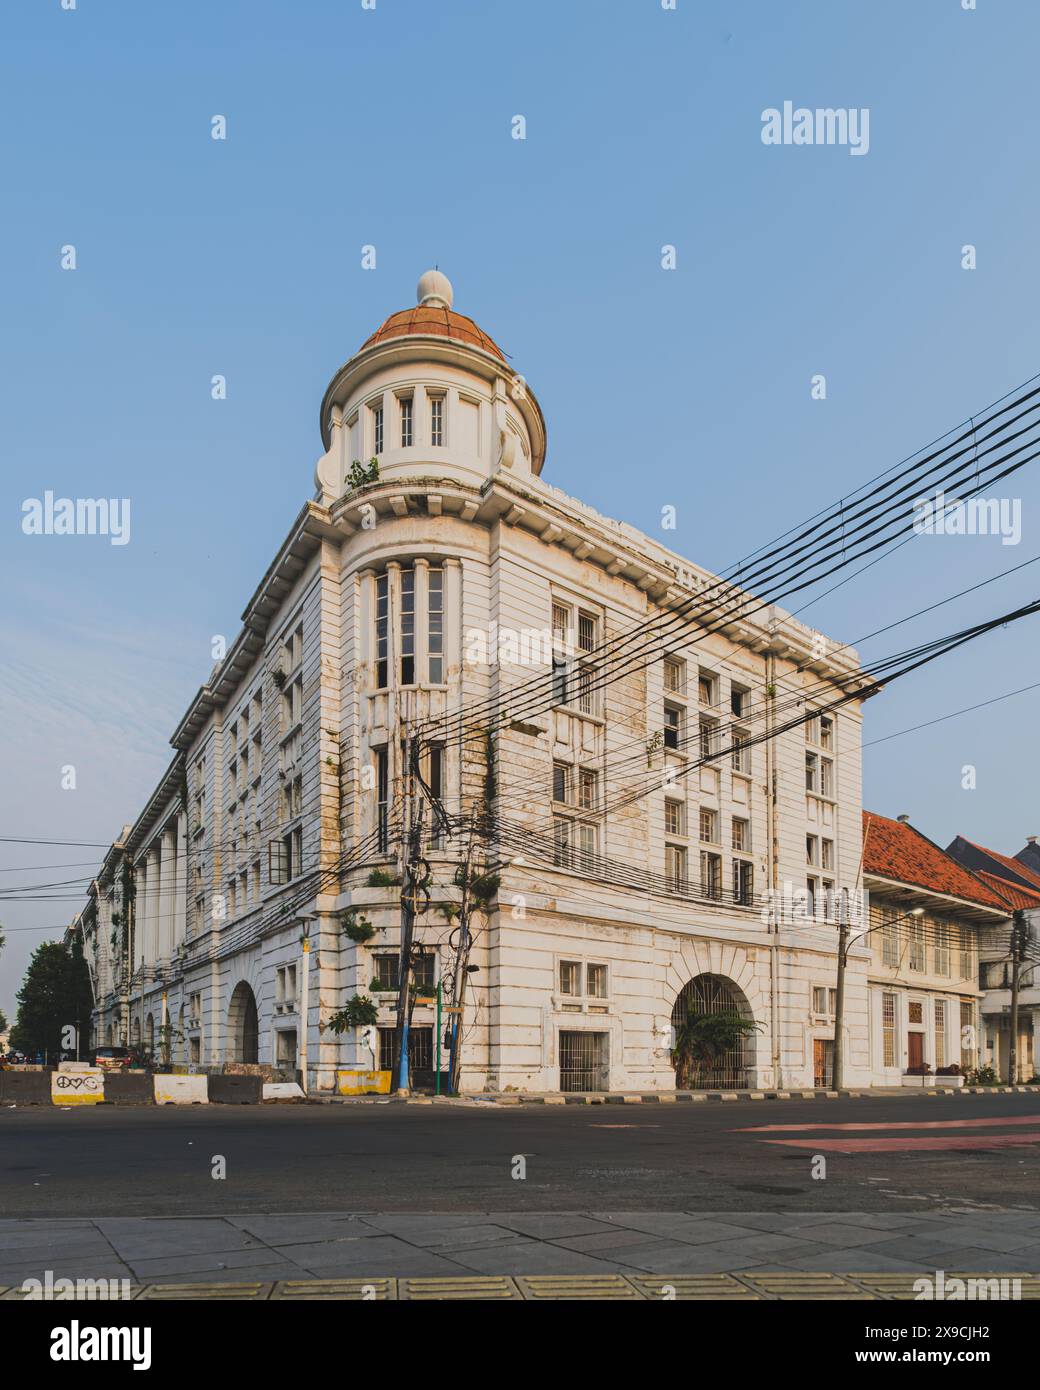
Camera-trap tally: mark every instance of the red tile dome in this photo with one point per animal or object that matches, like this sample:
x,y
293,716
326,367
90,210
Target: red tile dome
x,y
434,321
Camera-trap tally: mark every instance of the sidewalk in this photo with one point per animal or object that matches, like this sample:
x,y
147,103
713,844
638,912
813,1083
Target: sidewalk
x,y
269,1255
665,1097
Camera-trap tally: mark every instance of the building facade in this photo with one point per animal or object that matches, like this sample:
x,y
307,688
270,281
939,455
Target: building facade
x,y
665,814
1017,881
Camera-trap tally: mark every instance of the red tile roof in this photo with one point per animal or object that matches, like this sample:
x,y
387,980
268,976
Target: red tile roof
x,y
433,320
1014,865
895,850
1016,895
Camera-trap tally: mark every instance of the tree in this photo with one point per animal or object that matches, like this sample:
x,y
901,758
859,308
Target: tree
x,y
55,993
704,1038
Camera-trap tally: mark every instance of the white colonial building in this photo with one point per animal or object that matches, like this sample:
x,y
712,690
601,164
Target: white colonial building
x,y
455,591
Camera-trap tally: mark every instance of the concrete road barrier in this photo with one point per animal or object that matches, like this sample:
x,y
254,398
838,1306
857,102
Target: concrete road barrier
x,y
129,1088
181,1090
283,1090
235,1090
25,1087
77,1086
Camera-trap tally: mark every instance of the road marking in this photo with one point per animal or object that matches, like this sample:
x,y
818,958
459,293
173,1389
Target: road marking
x,y
897,1124
946,1141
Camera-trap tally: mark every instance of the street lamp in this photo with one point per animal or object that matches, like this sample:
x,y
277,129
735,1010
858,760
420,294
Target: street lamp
x,y
844,943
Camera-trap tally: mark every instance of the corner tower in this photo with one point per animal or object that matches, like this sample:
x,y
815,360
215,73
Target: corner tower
x,y
430,395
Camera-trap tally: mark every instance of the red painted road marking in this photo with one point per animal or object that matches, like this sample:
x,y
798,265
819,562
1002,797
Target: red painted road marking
x,y
946,1141
898,1124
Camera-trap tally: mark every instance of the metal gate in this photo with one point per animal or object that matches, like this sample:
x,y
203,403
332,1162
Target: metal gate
x,y
583,1061
711,994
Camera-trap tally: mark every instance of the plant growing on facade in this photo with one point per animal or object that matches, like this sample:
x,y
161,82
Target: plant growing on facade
x,y
704,1038
362,473
358,928
383,878
359,1012
278,676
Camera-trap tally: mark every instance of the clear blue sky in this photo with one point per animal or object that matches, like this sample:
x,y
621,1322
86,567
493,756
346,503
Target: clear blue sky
x,y
690,388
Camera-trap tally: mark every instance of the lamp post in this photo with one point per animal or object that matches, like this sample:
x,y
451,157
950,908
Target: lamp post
x,y
844,943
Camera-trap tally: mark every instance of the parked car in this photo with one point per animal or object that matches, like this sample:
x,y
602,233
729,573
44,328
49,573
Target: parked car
x,y
118,1058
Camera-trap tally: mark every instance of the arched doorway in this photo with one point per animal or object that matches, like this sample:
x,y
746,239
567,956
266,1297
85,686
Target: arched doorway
x,y
712,994
243,1025
135,1034
149,1035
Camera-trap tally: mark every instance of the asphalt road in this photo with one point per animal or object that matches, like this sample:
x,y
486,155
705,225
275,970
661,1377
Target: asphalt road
x,y
882,1154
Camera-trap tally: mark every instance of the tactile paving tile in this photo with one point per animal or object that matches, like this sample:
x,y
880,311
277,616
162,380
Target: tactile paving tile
x,y
465,1287
806,1285
227,1292
585,1286
901,1286
20,1295
684,1288
351,1290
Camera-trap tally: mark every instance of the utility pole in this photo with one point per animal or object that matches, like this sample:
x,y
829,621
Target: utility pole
x,y
413,870
838,1064
1018,927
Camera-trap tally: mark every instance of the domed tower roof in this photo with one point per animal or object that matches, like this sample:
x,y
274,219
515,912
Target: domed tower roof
x,y
433,317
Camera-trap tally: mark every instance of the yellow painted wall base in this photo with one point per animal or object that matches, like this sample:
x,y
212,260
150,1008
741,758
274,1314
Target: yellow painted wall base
x,y
359,1083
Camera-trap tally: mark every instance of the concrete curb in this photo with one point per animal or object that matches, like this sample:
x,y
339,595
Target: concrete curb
x,y
543,1288
668,1097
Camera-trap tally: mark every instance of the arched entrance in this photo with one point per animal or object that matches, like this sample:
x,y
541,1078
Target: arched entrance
x,y
243,1025
708,995
149,1035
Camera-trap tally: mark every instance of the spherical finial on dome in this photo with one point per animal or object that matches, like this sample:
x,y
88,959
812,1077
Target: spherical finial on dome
x,y
435,288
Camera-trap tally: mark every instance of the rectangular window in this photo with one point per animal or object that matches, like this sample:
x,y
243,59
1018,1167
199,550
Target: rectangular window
x,y
709,823
435,779
586,689
711,874
812,850
674,675
826,777
596,981
674,817
435,624
738,701
942,949
437,421
570,977
940,1033
819,1000
382,629
560,680
743,882
406,422
586,846
675,871
827,854
408,626
561,783
709,737
673,719
562,844
385,973
917,945
587,789
826,731
586,632
740,754
382,801
889,941
740,837
812,772
377,429
888,1029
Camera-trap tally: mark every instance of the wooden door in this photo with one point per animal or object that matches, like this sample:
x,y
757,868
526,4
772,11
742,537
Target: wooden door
x,y
915,1046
